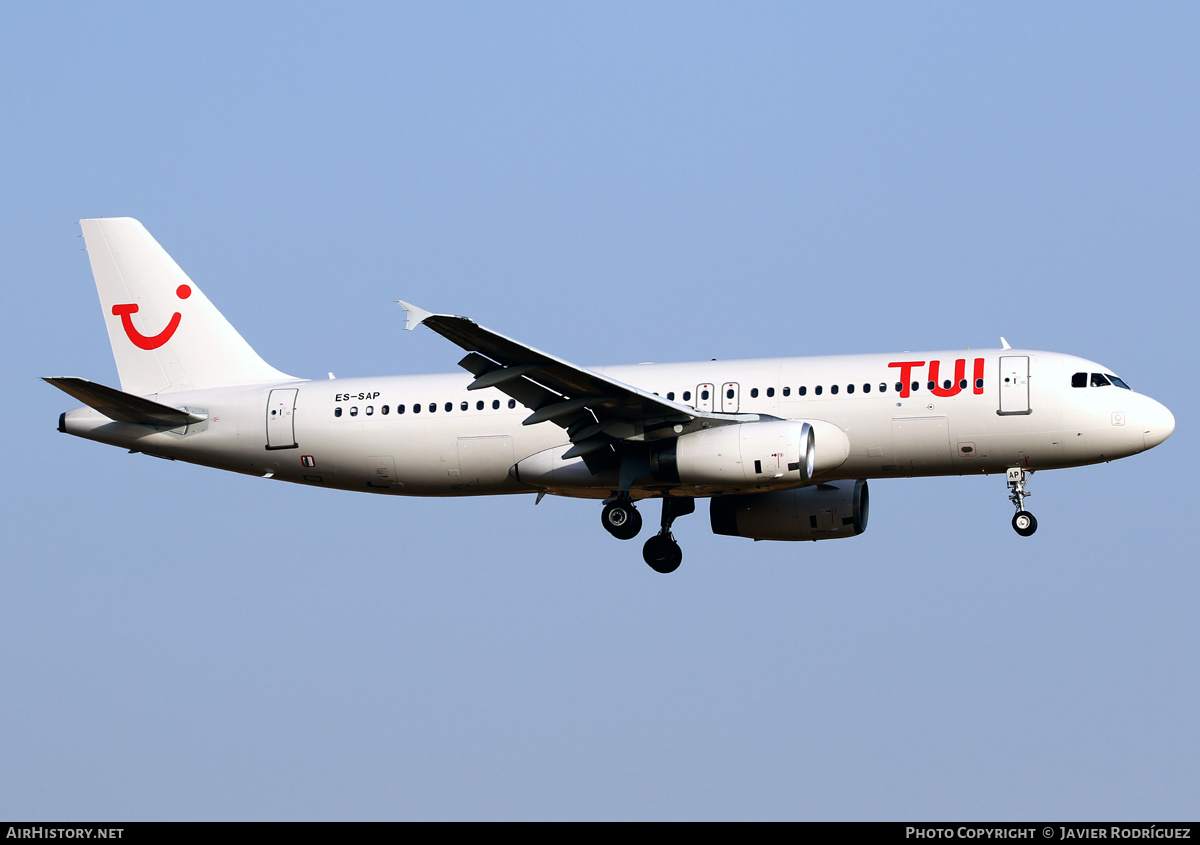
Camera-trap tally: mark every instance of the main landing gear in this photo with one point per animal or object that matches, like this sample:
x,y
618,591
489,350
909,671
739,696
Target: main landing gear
x,y
1023,522
621,519
661,551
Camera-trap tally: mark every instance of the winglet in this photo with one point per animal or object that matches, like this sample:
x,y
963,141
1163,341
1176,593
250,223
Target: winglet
x,y
416,315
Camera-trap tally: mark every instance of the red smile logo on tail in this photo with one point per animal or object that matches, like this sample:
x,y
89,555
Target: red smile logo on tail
x,y
141,341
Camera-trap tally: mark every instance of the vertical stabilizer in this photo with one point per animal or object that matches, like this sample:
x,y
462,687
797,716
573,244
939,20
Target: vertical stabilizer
x,y
164,332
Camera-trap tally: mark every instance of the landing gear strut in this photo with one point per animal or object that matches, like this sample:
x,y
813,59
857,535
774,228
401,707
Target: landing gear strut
x,y
1024,523
621,519
661,551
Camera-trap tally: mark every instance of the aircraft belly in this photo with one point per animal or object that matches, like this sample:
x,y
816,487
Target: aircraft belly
x,y
426,460
921,444
484,461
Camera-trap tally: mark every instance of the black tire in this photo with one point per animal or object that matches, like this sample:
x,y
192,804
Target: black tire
x,y
621,519
662,553
1024,523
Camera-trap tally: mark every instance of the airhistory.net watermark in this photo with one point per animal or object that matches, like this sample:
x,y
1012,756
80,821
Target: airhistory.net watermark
x,y
40,832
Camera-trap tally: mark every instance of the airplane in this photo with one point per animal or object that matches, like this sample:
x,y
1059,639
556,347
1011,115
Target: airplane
x,y
782,448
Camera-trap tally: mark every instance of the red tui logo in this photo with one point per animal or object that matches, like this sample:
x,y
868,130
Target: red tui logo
x,y
141,341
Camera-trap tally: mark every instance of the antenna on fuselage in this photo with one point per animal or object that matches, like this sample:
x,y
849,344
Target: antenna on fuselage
x,y
1004,343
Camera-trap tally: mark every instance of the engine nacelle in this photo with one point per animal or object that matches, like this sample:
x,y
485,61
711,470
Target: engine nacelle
x,y
833,447
775,453
822,512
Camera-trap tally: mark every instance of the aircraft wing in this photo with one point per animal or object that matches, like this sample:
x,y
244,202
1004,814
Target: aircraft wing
x,y
597,411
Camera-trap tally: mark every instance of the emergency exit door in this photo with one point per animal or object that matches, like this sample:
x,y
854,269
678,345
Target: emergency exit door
x,y
729,397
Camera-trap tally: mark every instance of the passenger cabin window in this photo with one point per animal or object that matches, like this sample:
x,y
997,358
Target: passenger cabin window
x,y
399,409
671,395
866,388
803,390
432,407
818,390
834,390
354,411
449,407
849,389
883,387
687,396
512,403
463,406
979,383
385,410
416,408
337,412
370,410
495,404
899,387
770,392
787,391
479,405
753,393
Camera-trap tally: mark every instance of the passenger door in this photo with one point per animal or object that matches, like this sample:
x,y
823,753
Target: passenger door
x,y
1014,384
281,408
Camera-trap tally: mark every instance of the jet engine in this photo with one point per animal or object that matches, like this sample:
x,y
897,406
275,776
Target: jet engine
x,y
775,453
821,512
778,453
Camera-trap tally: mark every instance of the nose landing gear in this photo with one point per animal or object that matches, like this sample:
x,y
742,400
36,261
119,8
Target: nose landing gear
x,y
1023,522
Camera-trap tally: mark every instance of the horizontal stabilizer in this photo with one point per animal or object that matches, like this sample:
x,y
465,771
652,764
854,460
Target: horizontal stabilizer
x,y
123,407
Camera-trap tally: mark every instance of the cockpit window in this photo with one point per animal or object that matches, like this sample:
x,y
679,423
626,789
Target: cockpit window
x,y
1079,380
1118,382
1098,380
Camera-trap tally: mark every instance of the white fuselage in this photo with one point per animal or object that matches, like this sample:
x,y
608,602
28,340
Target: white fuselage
x,y
988,410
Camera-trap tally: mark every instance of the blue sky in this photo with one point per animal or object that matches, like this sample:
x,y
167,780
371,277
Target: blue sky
x,y
613,183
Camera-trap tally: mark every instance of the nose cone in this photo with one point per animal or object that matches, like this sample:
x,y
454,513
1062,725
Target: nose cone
x,y
1157,424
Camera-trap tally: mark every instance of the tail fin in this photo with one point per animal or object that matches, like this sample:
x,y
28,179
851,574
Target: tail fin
x,y
164,332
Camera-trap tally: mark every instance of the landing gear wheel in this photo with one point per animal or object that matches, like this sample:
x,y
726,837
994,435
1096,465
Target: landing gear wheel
x,y
621,520
662,553
1024,523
